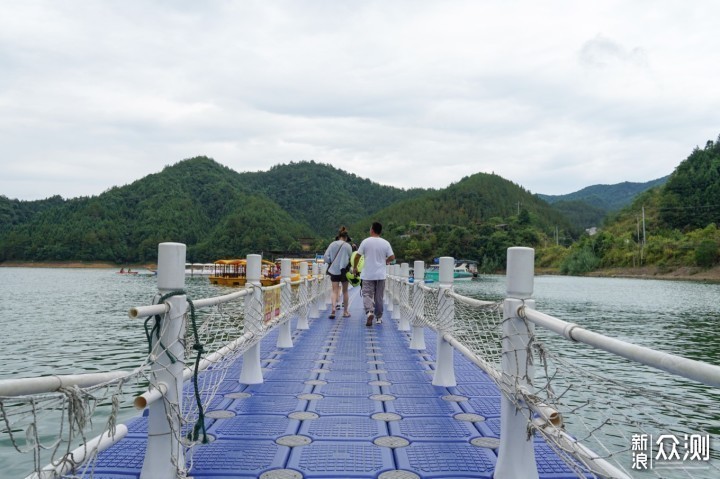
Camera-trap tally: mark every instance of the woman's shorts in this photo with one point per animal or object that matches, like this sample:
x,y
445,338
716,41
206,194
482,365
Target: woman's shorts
x,y
339,278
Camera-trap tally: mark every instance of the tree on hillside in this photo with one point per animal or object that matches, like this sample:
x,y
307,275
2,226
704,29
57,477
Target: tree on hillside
x,y
691,196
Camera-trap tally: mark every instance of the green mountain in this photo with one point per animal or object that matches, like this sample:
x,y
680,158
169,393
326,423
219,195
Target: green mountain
x,y
322,196
582,215
691,197
198,202
606,197
672,225
479,218
218,212
589,206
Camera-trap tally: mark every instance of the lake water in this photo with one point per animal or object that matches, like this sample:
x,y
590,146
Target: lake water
x,y
64,321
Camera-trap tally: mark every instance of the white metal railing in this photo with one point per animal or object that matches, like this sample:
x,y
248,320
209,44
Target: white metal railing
x,y
166,368
164,456
414,305
513,372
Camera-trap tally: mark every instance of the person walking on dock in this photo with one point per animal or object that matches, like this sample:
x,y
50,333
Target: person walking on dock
x,y
337,255
378,254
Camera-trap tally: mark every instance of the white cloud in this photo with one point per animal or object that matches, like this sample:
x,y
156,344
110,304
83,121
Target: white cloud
x,y
554,96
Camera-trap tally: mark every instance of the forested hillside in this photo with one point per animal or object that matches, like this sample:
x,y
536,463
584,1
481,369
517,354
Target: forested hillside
x,y
607,197
322,196
218,213
198,202
477,218
669,226
691,198
589,206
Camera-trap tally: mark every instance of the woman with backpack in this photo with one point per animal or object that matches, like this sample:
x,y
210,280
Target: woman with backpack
x,y
337,256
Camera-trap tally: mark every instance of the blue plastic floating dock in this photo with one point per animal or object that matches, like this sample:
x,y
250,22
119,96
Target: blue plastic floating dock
x,y
347,401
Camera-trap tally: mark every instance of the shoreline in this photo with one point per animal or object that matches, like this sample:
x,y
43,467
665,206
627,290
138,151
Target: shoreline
x,y
684,273
73,264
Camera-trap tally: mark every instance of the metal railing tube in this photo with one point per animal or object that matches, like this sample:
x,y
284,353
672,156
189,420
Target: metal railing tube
x,y
417,336
445,365
78,456
148,397
146,311
158,390
251,372
708,374
155,309
164,453
516,453
474,358
48,384
207,302
595,463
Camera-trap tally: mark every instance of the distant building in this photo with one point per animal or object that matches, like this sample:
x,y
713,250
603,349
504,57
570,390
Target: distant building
x,y
591,231
306,243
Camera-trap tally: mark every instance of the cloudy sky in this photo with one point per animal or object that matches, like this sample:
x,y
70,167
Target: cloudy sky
x,y
553,95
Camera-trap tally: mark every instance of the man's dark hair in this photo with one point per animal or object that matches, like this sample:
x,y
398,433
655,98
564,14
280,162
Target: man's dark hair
x,y
377,227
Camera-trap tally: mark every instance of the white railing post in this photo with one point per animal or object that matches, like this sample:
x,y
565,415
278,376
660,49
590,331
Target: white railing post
x,y
164,454
516,454
417,337
302,321
445,365
395,296
285,336
251,372
326,291
404,297
387,297
314,292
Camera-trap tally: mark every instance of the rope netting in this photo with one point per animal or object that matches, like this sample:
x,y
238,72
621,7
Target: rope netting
x,y
583,401
48,433
46,428
659,428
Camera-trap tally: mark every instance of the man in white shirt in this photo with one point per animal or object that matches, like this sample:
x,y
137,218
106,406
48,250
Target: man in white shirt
x,y
378,254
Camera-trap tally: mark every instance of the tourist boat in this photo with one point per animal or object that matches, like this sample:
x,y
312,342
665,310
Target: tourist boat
x,y
229,272
232,272
463,270
199,269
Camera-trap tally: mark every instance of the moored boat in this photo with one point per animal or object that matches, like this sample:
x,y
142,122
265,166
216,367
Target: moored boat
x,y
127,271
463,270
232,272
199,269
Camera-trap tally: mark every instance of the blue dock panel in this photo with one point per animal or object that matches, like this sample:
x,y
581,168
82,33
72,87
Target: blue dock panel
x,y
347,401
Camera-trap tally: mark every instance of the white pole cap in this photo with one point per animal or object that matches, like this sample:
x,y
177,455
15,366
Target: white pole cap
x,y
171,266
254,268
520,272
